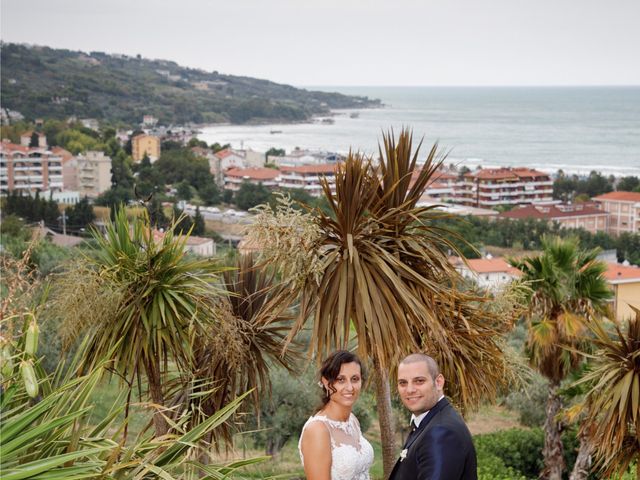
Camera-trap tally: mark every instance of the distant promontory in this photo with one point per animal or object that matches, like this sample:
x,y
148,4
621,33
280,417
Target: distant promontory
x,y
42,82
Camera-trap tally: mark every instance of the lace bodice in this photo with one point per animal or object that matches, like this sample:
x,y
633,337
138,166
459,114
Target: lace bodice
x,y
351,453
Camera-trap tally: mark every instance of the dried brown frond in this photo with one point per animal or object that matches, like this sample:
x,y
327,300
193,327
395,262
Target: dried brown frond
x,y
253,321
613,402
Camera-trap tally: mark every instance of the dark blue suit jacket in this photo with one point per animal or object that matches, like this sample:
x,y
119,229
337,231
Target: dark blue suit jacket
x,y
442,449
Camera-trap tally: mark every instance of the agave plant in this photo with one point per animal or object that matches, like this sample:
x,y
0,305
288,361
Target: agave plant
x,y
378,264
141,303
567,291
613,402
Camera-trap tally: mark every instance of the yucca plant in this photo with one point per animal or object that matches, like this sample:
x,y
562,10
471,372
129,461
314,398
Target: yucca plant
x,y
378,264
143,294
613,401
567,291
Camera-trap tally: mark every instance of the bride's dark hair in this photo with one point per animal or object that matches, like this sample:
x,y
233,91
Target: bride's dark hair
x,y
330,370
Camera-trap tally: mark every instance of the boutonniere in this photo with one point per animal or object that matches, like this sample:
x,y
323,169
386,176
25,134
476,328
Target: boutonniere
x,y
403,454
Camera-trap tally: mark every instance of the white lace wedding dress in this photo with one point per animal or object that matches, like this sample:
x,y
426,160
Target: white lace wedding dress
x,y
351,453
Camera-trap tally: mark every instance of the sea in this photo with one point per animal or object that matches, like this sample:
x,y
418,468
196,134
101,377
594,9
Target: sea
x,y
574,129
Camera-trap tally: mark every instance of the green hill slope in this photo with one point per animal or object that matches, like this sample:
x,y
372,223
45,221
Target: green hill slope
x,y
54,83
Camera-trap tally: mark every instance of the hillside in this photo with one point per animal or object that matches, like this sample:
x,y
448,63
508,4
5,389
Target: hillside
x,y
53,83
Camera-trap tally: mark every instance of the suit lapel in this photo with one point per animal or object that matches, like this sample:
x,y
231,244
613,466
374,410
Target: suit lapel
x,y
425,421
423,424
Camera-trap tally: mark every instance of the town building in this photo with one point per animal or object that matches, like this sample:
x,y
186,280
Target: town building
x,y
307,177
149,121
25,139
142,145
93,173
441,187
228,158
28,169
491,187
202,246
624,281
299,156
578,215
490,273
234,177
624,211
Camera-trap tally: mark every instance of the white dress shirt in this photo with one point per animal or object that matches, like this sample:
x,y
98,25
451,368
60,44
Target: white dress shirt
x,y
418,419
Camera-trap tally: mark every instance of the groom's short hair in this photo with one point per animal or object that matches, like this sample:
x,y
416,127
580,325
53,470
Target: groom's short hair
x,y
432,365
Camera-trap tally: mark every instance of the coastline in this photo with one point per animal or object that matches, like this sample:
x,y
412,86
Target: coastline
x,y
577,130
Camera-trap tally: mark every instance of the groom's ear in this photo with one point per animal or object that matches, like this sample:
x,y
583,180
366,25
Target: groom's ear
x,y
440,382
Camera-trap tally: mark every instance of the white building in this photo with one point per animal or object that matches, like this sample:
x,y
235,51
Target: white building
x,y
490,273
93,173
307,177
205,247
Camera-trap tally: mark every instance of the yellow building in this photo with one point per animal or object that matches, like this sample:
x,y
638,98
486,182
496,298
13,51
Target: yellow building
x,y
141,144
624,280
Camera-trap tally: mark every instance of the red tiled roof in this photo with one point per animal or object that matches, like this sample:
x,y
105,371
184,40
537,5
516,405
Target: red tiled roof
x,y
193,240
617,272
318,169
504,173
224,153
253,173
552,211
492,265
619,196
12,147
61,152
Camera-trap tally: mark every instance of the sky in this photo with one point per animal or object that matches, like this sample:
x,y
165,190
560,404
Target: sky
x,y
353,42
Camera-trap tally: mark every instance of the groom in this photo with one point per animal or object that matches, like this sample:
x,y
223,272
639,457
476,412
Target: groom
x,y
439,446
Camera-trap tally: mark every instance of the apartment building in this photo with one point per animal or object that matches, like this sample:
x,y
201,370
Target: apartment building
x,y
234,177
624,211
307,177
441,188
28,169
93,173
491,187
145,144
578,215
223,160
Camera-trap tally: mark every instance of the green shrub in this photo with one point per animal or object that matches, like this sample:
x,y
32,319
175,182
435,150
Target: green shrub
x,y
530,404
491,467
520,450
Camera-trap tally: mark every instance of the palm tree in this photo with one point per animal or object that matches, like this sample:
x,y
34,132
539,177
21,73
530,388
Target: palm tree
x,y
255,320
141,302
379,266
567,290
614,398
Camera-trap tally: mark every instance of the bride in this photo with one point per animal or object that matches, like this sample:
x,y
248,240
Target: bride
x,y
331,444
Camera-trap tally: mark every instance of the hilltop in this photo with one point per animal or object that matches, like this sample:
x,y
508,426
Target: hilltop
x,y
54,83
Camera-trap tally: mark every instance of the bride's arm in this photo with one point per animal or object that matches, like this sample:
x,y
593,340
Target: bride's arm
x,y
316,450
